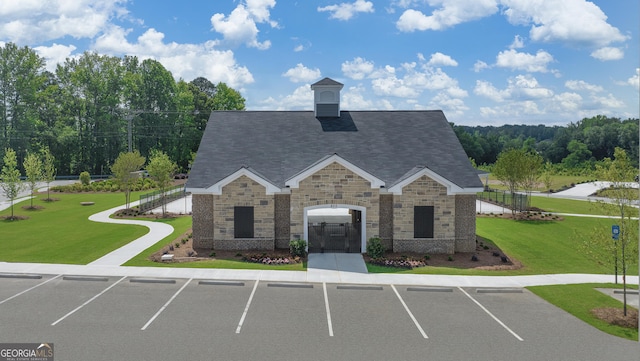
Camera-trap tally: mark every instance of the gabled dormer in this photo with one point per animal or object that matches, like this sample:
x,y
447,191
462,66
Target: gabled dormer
x,y
326,98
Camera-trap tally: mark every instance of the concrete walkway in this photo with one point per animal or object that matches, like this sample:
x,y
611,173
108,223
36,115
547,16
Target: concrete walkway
x,y
157,231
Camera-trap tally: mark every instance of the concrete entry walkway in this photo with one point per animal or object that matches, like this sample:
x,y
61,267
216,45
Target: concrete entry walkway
x,y
345,267
343,262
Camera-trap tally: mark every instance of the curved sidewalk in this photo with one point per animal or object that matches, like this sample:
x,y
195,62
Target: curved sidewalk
x,y
157,231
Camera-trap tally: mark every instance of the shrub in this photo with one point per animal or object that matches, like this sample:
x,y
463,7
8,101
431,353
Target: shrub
x,y
427,257
85,178
212,254
450,259
298,248
375,248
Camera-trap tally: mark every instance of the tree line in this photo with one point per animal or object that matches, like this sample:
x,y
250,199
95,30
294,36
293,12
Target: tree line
x,y
93,107
575,148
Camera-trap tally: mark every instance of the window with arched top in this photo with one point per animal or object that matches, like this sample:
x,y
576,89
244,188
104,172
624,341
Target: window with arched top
x,y
327,96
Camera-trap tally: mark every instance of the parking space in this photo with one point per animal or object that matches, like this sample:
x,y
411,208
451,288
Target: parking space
x,y
165,318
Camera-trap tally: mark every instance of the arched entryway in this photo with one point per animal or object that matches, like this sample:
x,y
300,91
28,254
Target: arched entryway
x,y
337,228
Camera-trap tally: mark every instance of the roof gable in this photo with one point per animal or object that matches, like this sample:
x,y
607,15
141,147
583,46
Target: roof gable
x,y
294,182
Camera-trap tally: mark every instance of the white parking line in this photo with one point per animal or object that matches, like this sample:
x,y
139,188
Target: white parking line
x,y
246,308
89,301
165,305
326,306
492,316
424,334
29,289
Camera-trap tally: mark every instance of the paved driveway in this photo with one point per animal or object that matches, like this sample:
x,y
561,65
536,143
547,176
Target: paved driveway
x,y
122,318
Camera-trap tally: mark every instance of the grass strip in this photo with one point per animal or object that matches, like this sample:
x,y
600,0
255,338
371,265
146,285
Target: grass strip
x,y
580,299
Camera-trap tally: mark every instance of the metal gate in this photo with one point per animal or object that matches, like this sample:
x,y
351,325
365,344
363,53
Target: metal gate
x,y
335,238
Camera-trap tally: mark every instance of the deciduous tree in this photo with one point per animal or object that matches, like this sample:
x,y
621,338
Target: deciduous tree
x,y
33,170
48,169
123,170
10,178
161,169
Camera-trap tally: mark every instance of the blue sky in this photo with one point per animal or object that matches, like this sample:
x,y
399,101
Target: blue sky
x,y
484,62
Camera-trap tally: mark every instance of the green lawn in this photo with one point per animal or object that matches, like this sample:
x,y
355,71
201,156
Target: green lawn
x,y
181,225
580,299
557,182
558,205
542,247
61,231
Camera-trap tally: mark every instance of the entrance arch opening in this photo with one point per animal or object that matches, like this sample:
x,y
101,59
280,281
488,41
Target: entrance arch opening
x,y
335,228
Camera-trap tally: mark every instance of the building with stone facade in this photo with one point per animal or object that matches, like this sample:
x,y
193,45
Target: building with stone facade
x,y
402,176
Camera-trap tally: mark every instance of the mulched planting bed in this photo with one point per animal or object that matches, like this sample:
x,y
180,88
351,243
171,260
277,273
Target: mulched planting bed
x,y
615,316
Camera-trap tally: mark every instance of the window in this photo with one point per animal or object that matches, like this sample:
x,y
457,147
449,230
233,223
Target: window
x,y
423,222
243,222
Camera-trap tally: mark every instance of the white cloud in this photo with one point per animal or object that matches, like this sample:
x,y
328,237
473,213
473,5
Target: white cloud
x,y
186,61
521,87
301,98
298,48
346,11
634,81
451,12
241,25
565,102
55,54
524,61
527,87
451,105
354,99
410,81
357,69
518,43
577,22
607,102
487,90
301,74
35,21
608,53
578,85
480,66
439,59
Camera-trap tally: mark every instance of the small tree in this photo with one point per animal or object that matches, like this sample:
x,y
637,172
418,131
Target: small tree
x,y
33,170
546,176
10,178
123,169
620,172
161,169
48,169
510,169
532,166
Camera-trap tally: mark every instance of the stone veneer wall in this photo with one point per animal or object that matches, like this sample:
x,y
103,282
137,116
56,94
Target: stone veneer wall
x,y
244,192
202,220
424,192
465,223
334,184
386,220
283,220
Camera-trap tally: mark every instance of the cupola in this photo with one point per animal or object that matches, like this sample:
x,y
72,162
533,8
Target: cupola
x,y
326,98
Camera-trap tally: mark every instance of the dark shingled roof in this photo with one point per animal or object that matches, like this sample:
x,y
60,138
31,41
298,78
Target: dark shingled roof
x,y
280,144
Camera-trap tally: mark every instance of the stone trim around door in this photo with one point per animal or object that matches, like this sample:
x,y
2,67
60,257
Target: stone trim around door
x,y
363,223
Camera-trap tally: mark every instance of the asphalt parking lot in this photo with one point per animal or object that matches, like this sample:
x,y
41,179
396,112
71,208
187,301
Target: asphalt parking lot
x,y
123,318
